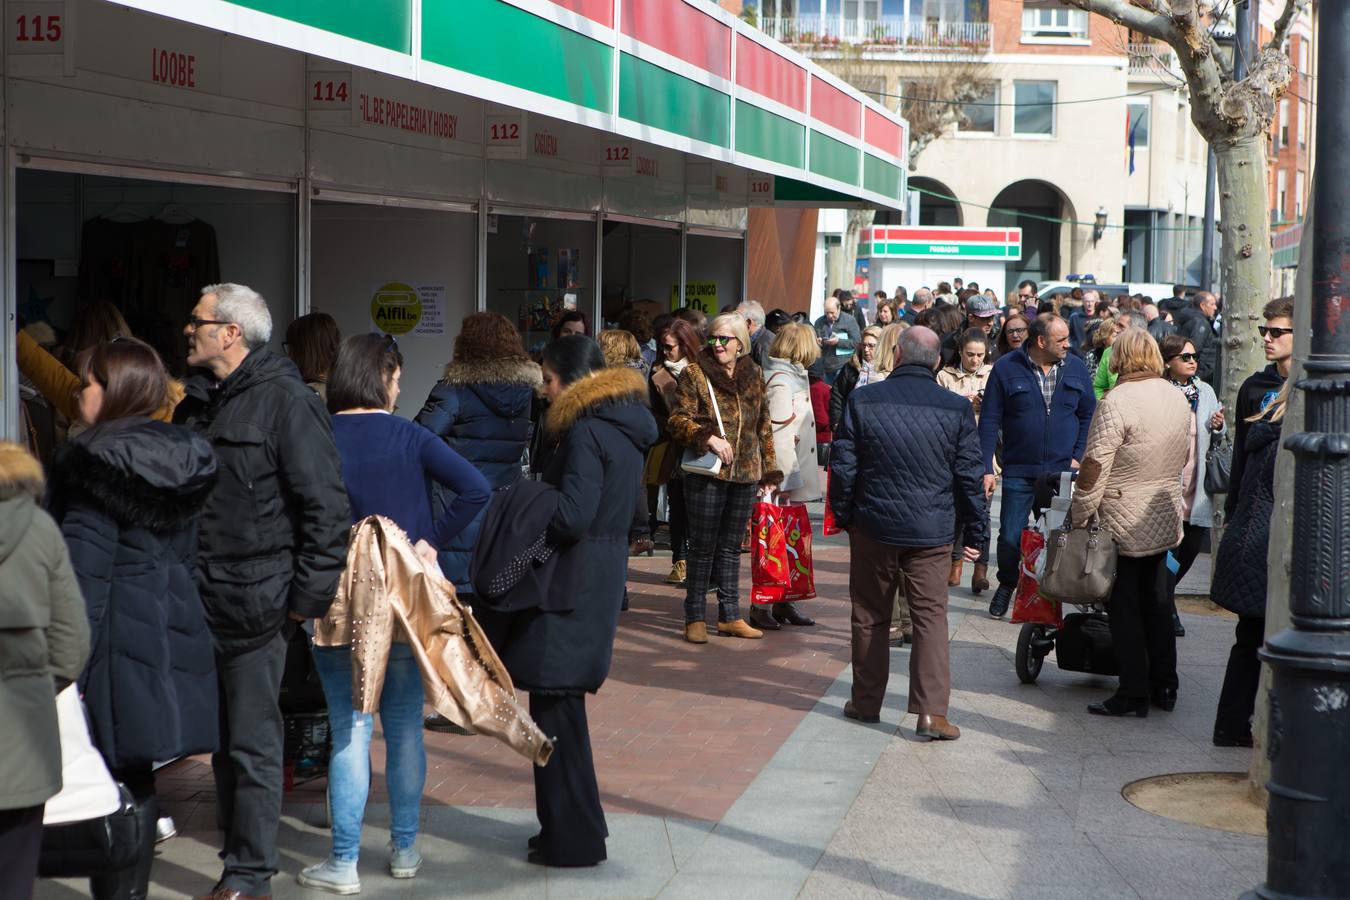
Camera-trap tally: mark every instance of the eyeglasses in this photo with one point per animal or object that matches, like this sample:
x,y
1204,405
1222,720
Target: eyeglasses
x,y
1271,331
1013,331
670,348
1184,357
720,340
194,323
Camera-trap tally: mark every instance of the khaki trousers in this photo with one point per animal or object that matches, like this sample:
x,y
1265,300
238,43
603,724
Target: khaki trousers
x,y
875,570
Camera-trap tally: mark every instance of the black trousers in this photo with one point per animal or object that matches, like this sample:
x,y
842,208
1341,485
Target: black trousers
x,y
1237,699
1185,553
248,765
572,828
20,844
1141,625
133,882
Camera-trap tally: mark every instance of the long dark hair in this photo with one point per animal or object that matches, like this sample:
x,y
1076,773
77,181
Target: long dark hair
x,y
132,377
361,374
312,343
572,357
684,335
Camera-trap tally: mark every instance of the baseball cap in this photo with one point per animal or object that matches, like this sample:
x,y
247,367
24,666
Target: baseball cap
x,y
981,306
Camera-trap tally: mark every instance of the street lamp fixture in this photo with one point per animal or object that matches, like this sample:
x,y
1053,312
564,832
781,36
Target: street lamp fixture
x,y
1099,225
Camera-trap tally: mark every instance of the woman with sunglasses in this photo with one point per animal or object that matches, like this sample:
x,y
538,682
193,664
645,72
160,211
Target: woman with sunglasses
x,y
389,467
738,430
1197,506
677,342
128,493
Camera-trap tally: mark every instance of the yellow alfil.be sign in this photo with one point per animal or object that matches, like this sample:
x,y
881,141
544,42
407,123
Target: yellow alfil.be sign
x,y
396,308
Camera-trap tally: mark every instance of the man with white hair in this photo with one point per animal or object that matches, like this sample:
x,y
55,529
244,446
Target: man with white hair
x,y
271,545
760,337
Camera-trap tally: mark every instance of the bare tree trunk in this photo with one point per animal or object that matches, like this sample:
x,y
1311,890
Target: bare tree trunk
x,y
1245,260
858,219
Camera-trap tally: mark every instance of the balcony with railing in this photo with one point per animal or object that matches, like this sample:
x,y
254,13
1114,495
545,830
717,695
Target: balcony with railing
x,y
888,32
1153,60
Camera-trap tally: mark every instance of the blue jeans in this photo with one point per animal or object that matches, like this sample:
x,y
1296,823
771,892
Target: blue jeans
x,y
349,769
1015,509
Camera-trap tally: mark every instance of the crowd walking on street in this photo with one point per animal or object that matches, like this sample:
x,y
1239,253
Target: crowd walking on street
x,y
200,533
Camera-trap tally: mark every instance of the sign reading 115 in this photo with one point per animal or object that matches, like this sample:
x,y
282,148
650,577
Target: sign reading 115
x,y
43,28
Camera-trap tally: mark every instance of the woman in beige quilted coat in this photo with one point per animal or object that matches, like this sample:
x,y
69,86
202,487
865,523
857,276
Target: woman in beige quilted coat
x,y
1130,481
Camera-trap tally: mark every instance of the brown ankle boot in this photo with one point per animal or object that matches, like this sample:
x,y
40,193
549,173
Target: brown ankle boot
x,y
696,632
738,628
979,580
936,728
955,577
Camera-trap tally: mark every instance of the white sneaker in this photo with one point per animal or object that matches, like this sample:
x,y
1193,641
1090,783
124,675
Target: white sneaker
x,y
164,829
333,876
404,863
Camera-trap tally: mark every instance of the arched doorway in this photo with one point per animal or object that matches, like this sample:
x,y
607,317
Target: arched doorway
x,y
934,207
1036,207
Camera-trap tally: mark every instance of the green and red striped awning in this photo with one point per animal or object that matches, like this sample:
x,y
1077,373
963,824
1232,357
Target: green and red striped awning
x,y
683,74
928,242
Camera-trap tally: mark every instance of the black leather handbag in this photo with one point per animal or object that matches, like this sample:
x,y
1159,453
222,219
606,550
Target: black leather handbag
x,y
94,846
1218,465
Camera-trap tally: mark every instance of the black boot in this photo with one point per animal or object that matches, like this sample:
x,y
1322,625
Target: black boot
x,y
1116,705
760,618
1177,628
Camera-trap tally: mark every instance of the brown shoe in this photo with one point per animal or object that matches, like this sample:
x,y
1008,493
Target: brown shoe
x,y
639,546
696,632
220,892
678,572
739,628
937,728
979,580
955,577
852,712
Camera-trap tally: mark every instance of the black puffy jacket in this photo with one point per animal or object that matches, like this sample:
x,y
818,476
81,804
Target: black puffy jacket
x,y
1239,583
127,494
482,411
273,535
906,462
605,429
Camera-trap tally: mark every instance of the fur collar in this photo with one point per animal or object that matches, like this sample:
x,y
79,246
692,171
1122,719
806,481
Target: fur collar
x,y
20,473
524,372
746,377
601,387
123,495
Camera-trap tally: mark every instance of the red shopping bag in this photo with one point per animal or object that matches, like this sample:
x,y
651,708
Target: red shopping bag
x,y
828,527
801,569
768,554
1028,604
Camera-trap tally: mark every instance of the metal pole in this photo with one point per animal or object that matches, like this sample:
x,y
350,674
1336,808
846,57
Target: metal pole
x,y
1207,242
1242,39
1308,848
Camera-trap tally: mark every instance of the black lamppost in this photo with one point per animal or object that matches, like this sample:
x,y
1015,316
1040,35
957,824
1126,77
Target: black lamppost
x,y
1309,742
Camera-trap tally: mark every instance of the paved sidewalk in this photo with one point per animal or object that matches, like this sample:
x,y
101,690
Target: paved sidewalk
x,y
728,771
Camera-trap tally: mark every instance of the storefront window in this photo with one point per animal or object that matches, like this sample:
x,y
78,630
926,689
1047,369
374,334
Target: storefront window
x,y
539,266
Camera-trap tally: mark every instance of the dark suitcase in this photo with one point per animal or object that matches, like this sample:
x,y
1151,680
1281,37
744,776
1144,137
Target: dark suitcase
x,y
1083,644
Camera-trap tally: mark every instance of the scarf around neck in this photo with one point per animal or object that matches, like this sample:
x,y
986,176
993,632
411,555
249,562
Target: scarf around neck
x,y
676,368
1191,390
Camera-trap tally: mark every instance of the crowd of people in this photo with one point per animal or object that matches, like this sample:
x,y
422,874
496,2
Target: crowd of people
x,y
187,527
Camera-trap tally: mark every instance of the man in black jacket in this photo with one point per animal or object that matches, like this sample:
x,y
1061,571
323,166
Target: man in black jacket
x,y
907,423
1261,388
1196,322
271,546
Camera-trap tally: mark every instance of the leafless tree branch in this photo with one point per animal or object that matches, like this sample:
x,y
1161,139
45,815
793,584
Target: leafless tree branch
x,y
1292,10
1145,19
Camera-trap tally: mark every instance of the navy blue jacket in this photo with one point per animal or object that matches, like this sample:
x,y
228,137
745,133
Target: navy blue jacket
x,y
1035,442
482,411
128,494
908,424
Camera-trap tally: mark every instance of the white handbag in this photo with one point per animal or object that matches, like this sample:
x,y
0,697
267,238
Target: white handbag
x,y
87,788
706,463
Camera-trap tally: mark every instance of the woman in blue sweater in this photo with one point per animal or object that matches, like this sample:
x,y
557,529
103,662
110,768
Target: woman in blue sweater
x,y
389,466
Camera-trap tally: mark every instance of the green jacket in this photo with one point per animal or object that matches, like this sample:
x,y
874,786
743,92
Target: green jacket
x,y
44,634
1104,379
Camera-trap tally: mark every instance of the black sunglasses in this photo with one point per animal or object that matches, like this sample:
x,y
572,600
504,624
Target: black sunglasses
x,y
1272,331
1184,357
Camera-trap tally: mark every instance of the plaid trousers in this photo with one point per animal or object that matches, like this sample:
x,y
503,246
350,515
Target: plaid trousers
x,y
718,513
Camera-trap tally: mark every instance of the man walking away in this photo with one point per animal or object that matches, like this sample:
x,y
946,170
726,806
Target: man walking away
x,y
923,299
760,337
839,335
271,546
1040,398
905,526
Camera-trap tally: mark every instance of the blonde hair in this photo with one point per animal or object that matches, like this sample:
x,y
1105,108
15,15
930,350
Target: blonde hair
x,y
874,331
890,336
1135,350
1276,409
735,323
618,346
796,343
1109,329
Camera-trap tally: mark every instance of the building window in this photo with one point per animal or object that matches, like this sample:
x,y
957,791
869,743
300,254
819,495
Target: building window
x,y
1303,58
1042,20
1136,124
1302,125
1281,194
1298,197
1284,124
1034,111
981,114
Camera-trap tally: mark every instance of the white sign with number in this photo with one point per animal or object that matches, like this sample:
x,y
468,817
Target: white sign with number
x,y
504,133
617,158
761,190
